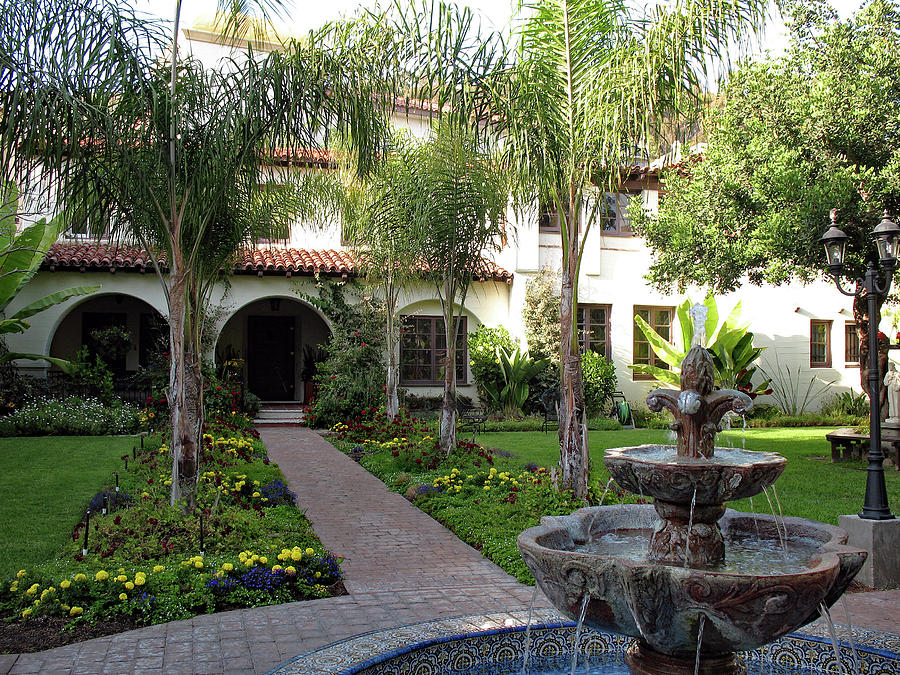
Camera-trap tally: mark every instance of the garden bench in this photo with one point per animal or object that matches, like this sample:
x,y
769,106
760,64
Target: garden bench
x,y
550,409
472,418
846,444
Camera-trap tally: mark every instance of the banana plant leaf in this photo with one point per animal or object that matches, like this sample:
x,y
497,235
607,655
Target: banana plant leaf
x,y
22,255
66,366
660,374
52,299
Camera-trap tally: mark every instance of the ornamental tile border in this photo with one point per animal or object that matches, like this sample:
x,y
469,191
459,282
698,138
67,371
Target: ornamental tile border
x,y
436,646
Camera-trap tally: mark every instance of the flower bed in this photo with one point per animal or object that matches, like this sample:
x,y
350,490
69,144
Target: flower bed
x,y
486,498
136,560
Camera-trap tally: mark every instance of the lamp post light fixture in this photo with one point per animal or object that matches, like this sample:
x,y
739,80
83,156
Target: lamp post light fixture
x,y
887,236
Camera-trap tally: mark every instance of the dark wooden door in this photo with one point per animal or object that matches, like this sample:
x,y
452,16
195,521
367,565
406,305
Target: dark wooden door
x,y
270,357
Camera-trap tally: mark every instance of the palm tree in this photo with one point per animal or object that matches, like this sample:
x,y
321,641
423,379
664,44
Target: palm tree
x,y
586,90
459,198
172,154
378,217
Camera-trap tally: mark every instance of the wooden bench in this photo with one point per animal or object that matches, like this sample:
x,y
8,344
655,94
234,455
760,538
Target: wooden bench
x,y
846,445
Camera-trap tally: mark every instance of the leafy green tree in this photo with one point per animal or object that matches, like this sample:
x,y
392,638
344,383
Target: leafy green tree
x,y
791,139
171,154
589,85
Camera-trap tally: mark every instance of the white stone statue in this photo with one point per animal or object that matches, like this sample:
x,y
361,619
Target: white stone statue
x,y
892,383
698,317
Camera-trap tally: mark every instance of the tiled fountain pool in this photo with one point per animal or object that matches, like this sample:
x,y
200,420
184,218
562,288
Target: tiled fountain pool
x,y
494,645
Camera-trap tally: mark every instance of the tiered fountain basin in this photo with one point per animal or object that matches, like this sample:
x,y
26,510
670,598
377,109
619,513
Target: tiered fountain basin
x,y
759,593
496,644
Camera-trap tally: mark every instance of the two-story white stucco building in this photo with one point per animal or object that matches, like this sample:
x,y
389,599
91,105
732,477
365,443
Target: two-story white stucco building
x,y
261,314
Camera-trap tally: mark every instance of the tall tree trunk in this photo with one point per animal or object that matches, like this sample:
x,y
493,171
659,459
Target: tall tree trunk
x,y
861,317
448,405
574,458
185,391
574,462
392,398
448,408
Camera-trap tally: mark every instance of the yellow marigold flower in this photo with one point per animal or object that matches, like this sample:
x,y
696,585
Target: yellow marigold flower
x,y
227,567
256,494
140,579
102,575
76,611
44,594
145,495
264,560
121,578
123,596
20,574
32,590
296,555
13,587
318,574
64,608
158,568
249,562
290,570
129,585
80,577
309,551
198,564
26,613
487,487
275,568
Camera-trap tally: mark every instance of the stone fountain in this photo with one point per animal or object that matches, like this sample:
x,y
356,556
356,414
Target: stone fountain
x,y
692,581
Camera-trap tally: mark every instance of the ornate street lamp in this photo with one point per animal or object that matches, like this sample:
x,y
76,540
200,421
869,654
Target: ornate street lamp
x,y
887,236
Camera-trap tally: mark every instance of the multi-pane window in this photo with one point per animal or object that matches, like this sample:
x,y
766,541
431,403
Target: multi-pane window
x,y
614,213
593,329
660,320
548,218
819,344
423,350
851,344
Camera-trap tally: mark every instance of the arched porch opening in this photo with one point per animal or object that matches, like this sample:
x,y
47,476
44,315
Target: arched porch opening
x,y
279,340
145,332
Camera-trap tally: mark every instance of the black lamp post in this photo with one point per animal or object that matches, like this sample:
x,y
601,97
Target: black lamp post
x,y
887,236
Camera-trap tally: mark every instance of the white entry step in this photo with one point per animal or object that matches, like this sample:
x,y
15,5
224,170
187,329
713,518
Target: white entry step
x,y
279,414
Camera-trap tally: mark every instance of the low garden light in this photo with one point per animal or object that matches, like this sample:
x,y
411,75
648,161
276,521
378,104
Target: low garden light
x,y
886,235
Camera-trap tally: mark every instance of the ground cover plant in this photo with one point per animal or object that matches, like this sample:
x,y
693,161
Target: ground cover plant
x,y
72,416
144,562
486,498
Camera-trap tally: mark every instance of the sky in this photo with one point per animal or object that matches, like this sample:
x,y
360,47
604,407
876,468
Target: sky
x,y
305,14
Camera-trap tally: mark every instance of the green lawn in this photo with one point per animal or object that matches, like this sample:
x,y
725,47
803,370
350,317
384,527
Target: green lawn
x,y
45,484
810,487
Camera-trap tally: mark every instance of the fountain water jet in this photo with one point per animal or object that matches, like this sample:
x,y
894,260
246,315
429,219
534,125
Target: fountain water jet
x,y
746,591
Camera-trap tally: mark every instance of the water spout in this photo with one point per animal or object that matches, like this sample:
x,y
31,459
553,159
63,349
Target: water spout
x,y
702,623
577,639
850,635
526,657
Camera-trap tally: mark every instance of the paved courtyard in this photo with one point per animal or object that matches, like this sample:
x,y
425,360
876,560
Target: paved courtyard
x,y
401,567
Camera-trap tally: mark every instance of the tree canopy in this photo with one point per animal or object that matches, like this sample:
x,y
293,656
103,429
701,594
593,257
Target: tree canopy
x,y
789,139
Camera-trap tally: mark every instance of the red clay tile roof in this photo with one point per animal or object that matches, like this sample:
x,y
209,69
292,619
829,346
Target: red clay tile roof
x,y
91,256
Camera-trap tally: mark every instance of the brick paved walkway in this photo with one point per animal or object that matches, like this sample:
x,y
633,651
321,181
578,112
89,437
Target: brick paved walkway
x,y
401,567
